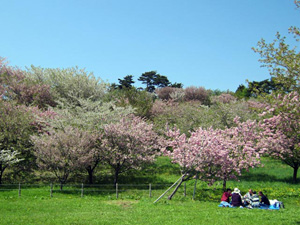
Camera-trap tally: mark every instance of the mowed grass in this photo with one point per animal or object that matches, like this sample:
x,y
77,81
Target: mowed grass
x,y
92,210
136,207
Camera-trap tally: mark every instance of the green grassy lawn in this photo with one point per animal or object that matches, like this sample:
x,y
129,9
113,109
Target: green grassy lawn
x,y
134,206
92,210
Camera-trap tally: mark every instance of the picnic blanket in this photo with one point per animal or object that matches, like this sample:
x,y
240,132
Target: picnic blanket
x,y
275,205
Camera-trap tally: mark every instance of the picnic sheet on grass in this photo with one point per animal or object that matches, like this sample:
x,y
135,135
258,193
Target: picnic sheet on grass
x,y
274,206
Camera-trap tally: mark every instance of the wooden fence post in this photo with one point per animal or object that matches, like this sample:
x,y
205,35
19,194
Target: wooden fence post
x,y
117,193
19,189
81,190
184,189
51,190
150,194
195,185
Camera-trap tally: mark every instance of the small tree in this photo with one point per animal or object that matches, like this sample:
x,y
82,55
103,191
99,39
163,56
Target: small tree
x,y
170,93
242,149
152,80
140,101
15,131
197,94
7,158
126,82
129,144
280,135
213,154
282,61
63,151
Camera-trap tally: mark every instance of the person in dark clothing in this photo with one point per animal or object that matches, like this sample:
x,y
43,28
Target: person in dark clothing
x,y
236,198
263,199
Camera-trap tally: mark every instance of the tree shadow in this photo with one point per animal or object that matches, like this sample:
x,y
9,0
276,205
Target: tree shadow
x,y
266,178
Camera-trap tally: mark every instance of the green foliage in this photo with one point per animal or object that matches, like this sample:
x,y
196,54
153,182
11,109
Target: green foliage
x,y
242,92
152,80
183,115
88,115
259,88
126,82
282,60
140,101
221,115
69,84
187,116
177,85
15,127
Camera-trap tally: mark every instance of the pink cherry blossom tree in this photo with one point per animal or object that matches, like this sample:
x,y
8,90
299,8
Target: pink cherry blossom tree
x,y
243,151
213,154
128,144
281,130
199,155
62,151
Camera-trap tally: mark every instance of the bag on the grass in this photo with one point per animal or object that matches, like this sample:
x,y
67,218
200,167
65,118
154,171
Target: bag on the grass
x,y
276,204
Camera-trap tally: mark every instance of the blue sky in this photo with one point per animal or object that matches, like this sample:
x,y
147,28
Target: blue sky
x,y
195,42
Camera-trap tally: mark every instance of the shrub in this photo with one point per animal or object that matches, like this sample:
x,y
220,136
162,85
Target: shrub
x,y
197,94
224,98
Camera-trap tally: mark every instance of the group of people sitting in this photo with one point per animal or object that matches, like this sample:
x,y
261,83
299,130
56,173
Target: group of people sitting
x,y
250,200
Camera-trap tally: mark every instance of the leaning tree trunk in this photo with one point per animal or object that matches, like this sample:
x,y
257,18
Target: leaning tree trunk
x,y
175,190
178,185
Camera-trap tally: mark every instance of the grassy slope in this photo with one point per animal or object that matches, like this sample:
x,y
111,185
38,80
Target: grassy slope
x,y
134,207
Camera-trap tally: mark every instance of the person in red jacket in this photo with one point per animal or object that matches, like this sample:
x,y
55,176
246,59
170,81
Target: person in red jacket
x,y
226,195
225,198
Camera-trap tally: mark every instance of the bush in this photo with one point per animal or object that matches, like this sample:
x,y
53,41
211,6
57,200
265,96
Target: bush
x,y
224,98
197,94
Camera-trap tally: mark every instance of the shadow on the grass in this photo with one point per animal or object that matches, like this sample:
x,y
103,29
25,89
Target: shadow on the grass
x,y
266,178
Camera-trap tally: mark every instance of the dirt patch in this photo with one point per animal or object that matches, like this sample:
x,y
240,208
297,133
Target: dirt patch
x,y
123,203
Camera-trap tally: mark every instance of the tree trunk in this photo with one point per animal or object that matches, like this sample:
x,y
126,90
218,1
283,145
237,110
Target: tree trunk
x,y
2,168
224,184
175,190
90,171
1,177
117,171
295,174
195,186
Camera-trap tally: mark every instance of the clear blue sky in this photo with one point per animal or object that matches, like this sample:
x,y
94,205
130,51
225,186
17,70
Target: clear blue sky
x,y
195,42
